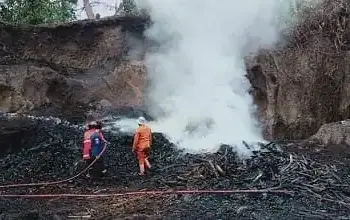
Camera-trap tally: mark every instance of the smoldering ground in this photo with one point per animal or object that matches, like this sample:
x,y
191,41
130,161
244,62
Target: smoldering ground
x,y
53,153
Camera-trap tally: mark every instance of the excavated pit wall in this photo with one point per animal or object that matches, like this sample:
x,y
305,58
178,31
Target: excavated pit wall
x,y
69,69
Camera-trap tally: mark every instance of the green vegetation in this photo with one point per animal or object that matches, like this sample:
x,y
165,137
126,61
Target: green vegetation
x,y
37,11
130,8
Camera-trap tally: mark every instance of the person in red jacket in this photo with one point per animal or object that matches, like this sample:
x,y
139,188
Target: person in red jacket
x,y
94,142
142,144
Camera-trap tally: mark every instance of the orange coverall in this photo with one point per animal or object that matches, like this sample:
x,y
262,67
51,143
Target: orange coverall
x,y
142,145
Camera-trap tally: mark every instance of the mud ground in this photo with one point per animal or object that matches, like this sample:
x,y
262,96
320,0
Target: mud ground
x,y
51,151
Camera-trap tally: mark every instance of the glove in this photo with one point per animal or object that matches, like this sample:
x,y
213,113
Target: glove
x,y
86,156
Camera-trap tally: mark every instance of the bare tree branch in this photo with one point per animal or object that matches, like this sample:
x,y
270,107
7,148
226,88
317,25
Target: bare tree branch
x,y
118,7
88,10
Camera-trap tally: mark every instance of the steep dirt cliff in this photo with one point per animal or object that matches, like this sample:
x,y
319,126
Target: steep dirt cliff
x,y
71,67
305,83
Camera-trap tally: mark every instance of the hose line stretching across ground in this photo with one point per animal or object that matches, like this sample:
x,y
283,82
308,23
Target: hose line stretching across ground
x,y
143,193
123,194
59,181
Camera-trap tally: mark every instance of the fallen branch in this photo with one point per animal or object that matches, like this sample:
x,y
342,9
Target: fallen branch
x,y
214,169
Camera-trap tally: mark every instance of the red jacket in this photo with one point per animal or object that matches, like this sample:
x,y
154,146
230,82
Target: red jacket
x,y
87,142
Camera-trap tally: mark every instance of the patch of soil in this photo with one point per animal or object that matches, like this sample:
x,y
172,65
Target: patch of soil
x,y
319,181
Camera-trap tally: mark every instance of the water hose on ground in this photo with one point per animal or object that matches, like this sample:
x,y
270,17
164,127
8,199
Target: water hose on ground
x,y
149,193
59,181
123,194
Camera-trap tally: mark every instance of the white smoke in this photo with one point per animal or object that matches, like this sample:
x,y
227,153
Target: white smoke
x,y
198,90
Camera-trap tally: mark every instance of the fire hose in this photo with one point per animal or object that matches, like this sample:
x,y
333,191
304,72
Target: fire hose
x,y
136,193
59,181
144,193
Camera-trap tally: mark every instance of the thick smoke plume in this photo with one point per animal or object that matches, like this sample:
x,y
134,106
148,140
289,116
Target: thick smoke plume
x,y
198,91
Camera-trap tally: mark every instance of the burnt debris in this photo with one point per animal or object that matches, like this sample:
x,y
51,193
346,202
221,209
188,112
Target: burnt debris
x,y
52,151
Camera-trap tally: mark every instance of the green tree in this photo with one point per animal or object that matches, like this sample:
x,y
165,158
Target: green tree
x,y
129,8
37,11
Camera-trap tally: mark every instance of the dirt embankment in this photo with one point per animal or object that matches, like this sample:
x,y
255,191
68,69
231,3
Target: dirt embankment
x,y
297,87
305,83
70,67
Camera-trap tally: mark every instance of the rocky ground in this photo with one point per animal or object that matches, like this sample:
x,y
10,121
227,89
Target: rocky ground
x,y
318,179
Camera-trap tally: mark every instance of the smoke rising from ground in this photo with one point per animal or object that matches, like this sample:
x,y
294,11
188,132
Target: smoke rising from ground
x,y
198,90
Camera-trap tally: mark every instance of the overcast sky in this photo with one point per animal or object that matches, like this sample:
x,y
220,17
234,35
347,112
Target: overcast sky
x,y
103,7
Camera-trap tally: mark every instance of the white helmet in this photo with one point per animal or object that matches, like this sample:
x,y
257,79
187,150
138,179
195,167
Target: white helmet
x,y
141,120
92,123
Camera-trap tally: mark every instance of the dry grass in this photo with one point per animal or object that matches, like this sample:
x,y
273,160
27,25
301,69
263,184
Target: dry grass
x,y
328,19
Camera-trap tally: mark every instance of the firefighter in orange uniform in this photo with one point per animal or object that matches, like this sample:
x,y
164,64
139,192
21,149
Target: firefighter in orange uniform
x,y
142,144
